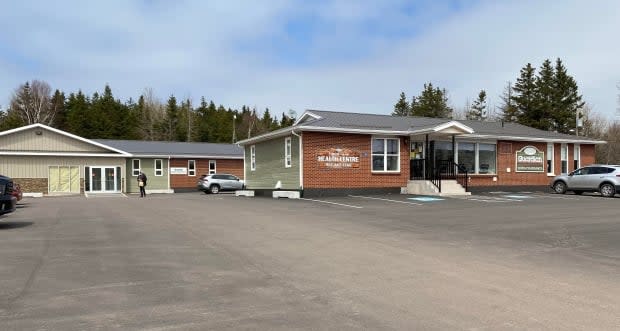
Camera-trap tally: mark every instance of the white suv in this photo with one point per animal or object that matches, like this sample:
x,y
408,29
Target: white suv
x,y
601,178
215,183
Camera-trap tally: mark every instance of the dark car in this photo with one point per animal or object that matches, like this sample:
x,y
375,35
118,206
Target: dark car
x,y
7,200
215,183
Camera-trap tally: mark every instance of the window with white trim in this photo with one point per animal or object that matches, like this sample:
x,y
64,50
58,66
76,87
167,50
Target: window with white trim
x,y
191,167
135,167
212,167
253,157
287,152
487,155
550,158
159,167
564,158
385,154
576,156
476,158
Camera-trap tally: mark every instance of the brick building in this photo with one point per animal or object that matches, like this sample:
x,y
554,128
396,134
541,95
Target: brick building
x,y
337,153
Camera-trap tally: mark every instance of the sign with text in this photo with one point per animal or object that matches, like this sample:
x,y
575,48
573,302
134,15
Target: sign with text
x,y
338,158
530,159
178,171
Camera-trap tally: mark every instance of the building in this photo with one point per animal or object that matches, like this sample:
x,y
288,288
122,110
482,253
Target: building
x,y
45,160
328,152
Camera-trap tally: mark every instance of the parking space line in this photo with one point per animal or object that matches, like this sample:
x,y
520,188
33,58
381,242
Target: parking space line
x,y
554,197
332,203
390,200
494,200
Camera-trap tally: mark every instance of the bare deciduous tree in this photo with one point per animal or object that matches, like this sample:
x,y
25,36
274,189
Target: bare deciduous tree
x,y
33,103
151,114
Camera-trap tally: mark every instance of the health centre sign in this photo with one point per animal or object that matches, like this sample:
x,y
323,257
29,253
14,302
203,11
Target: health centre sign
x,y
338,158
530,159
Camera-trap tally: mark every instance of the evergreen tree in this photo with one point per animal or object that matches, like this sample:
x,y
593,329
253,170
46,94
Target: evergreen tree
x,y
524,97
401,108
544,98
77,114
432,102
509,111
566,100
478,110
171,119
58,106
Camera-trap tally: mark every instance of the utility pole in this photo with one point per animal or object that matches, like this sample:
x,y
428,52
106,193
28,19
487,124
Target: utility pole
x,y
189,120
234,129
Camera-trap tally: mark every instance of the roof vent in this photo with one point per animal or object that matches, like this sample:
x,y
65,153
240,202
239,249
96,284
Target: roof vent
x,y
38,132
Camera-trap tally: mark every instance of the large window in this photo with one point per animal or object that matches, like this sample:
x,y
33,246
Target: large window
x,y
135,167
191,167
212,167
487,154
550,158
564,158
443,151
467,156
287,152
159,167
253,157
385,154
576,157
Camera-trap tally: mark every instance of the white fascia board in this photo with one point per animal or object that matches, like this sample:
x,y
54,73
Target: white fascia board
x,y
456,124
62,154
186,156
66,134
273,134
359,131
537,139
304,115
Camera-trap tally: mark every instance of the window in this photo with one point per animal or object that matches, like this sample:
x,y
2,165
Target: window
x,y
564,158
385,154
212,167
576,156
550,158
159,167
191,167
486,158
287,152
253,157
467,156
135,167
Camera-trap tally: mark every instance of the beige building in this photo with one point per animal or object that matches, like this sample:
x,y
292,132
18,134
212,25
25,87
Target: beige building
x,y
44,160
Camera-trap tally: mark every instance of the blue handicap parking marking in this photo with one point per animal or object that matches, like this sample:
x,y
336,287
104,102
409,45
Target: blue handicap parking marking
x,y
518,196
426,199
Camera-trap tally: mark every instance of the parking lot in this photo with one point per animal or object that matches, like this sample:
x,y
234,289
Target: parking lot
x,y
493,261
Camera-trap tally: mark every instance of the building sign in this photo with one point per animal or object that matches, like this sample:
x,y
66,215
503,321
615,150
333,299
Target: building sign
x,y
530,159
338,158
178,171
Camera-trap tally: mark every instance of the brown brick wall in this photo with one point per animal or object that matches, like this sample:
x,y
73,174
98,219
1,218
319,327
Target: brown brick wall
x,y
362,177
32,185
234,167
511,178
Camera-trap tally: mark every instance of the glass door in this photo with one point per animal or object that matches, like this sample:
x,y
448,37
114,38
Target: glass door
x,y
103,179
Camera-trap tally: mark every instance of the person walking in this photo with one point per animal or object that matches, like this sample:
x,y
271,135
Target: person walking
x,y
142,184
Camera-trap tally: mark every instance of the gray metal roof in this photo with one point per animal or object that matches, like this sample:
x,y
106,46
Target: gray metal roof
x,y
168,148
340,120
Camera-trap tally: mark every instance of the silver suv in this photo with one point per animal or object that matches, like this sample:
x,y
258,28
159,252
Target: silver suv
x,y
215,183
594,178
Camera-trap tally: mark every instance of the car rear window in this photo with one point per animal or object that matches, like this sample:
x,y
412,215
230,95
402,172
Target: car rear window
x,y
609,170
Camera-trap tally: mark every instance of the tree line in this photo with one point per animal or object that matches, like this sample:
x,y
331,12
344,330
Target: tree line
x,y
545,98
102,116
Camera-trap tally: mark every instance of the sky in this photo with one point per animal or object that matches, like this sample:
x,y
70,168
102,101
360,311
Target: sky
x,y
348,55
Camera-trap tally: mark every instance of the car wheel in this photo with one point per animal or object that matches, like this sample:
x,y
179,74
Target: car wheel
x,y
578,192
214,189
559,187
607,190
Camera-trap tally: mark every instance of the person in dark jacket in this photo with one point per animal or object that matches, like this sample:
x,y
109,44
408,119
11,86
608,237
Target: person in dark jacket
x,y
142,184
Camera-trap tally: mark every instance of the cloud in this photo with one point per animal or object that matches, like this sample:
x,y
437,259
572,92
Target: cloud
x,y
339,55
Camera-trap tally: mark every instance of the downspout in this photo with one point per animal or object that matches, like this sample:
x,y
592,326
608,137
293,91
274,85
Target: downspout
x,y
169,188
301,162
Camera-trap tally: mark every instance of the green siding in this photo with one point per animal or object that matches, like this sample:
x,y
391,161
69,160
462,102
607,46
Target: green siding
x,y
270,165
148,167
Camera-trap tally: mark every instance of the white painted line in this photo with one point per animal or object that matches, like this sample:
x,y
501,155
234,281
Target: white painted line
x,y
390,200
551,196
494,200
332,203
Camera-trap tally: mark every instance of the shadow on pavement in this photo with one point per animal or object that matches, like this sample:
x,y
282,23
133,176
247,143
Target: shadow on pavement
x,y
13,225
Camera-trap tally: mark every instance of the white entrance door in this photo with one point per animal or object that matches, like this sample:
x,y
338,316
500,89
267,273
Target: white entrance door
x,y
103,179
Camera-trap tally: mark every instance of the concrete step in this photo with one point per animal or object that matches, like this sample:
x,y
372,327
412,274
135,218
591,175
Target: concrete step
x,y
424,187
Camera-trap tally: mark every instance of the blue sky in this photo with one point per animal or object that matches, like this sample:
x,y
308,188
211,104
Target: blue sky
x,y
291,54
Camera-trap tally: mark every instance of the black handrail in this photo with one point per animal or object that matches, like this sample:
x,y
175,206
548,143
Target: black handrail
x,y
421,169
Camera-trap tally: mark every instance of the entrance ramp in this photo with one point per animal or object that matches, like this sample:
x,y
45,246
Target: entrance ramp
x,y
426,187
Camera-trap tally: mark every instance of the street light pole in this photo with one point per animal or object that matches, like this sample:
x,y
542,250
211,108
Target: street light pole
x,y
234,133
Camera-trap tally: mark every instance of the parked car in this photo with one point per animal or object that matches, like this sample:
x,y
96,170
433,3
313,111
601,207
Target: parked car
x,y
215,183
593,178
7,200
